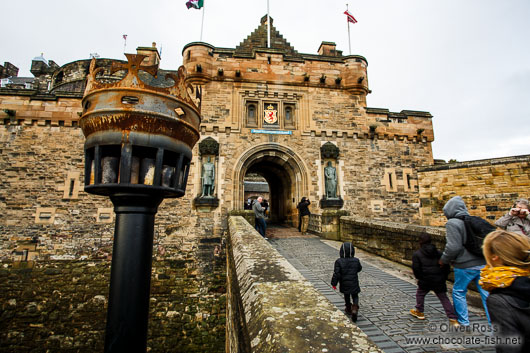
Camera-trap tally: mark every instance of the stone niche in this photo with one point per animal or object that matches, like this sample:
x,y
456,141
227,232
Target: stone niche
x,y
329,154
209,153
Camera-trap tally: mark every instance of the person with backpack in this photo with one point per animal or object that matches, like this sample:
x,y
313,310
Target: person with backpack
x,y
431,276
517,220
506,278
467,266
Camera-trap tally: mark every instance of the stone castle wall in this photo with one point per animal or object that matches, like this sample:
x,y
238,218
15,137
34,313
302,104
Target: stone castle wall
x,y
48,217
379,150
61,306
489,187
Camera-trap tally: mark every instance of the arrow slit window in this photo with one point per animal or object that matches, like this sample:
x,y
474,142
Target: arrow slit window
x,y
252,114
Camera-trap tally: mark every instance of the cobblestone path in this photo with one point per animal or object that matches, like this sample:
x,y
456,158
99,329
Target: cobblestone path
x,y
386,297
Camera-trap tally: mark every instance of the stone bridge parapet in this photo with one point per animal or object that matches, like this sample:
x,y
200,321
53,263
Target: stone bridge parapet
x,y
391,240
273,308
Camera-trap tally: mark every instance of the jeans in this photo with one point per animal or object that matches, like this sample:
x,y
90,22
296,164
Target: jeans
x,y
442,296
463,276
261,226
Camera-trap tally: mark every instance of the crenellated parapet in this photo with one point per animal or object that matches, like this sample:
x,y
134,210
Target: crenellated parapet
x,y
254,62
413,125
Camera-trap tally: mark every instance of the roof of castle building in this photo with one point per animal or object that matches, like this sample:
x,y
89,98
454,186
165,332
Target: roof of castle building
x,y
258,40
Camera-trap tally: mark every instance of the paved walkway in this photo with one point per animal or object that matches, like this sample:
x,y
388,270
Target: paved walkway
x,y
387,294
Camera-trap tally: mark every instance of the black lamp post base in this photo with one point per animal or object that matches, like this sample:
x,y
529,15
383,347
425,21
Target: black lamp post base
x,y
130,280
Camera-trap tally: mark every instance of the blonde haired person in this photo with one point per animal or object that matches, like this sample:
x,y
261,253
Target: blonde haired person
x,y
506,278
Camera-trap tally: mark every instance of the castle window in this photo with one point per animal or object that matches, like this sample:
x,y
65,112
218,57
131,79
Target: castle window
x,y
252,114
71,186
45,215
288,115
105,215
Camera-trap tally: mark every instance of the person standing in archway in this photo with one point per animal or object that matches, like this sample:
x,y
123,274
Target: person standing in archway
x,y
303,214
259,213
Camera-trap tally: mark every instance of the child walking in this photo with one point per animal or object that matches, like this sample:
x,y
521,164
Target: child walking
x,y
345,273
430,276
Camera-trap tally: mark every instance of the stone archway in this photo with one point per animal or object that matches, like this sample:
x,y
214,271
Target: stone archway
x,y
284,171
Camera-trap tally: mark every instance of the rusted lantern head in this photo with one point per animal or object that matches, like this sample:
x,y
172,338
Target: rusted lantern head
x,y
139,135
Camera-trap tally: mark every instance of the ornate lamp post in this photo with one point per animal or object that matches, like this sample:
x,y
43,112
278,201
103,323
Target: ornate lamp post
x,y
138,149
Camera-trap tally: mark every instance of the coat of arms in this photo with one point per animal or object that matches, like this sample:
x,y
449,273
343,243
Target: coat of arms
x,y
271,116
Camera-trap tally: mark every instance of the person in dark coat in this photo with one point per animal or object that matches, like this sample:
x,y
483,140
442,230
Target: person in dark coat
x,y
345,273
431,276
506,277
303,214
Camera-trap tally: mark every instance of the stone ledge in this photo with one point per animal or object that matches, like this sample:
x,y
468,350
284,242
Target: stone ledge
x,y
394,226
476,163
282,310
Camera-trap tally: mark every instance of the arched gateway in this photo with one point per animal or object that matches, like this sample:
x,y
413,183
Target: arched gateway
x,y
284,171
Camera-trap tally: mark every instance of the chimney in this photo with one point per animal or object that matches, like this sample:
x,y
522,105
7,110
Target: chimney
x,y
153,57
328,49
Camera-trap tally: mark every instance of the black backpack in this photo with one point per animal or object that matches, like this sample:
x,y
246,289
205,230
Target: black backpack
x,y
476,230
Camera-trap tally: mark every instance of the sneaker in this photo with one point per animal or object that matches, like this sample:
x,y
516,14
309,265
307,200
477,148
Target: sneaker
x,y
417,314
454,323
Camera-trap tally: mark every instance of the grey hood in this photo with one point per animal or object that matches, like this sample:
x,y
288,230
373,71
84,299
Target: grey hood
x,y
347,250
455,236
455,207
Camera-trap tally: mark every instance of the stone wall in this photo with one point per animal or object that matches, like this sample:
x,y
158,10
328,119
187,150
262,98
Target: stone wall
x,y
379,150
273,308
391,240
46,216
60,306
489,187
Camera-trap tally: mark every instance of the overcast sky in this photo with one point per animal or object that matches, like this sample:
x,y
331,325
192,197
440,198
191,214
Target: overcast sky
x,y
467,62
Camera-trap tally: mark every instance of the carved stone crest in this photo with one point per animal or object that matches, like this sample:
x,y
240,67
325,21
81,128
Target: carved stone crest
x,y
329,151
209,146
271,116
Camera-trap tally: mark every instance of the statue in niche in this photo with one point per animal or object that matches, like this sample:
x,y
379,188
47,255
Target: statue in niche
x,y
208,178
330,174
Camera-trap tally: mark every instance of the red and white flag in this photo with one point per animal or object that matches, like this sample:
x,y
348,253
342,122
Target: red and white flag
x,y
350,17
125,36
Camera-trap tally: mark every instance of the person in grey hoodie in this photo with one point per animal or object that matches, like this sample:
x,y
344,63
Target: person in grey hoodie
x,y
466,265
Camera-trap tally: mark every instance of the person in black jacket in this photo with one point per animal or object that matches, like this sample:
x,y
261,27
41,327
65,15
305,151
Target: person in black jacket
x,y
430,276
345,273
303,214
506,278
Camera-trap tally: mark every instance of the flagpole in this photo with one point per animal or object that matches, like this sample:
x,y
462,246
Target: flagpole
x,y
202,23
124,42
349,39
268,27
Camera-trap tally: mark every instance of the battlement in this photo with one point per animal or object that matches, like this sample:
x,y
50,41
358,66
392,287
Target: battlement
x,y
254,61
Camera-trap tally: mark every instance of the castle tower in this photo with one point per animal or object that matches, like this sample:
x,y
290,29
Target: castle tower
x,y
271,109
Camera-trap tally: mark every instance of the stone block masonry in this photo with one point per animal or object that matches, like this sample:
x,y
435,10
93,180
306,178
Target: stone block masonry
x,y
273,308
61,307
489,187
391,240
